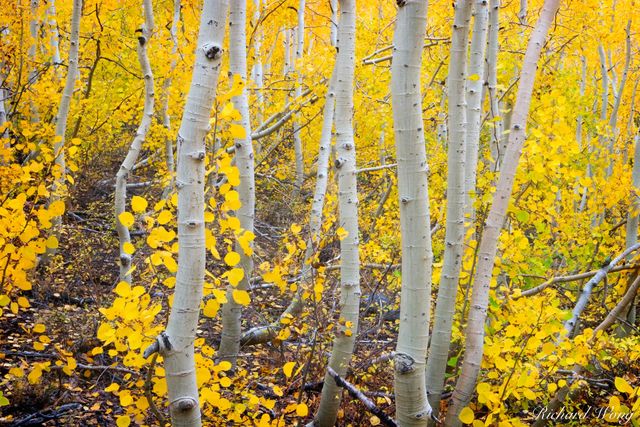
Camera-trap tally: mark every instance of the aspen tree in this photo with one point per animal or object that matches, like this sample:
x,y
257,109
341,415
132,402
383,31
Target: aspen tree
x,y
474,108
176,343
120,198
412,405
613,119
345,164
631,237
297,140
257,70
232,311
63,114
497,146
454,234
474,332
166,87
54,36
262,334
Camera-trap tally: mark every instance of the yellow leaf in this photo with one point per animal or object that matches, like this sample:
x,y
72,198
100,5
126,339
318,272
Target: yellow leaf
x,y
302,410
295,228
39,328
288,368
466,415
232,258
237,131
126,219
225,365
235,275
164,217
342,233
241,297
123,421
375,421
123,289
474,77
56,208
138,204
623,386
128,248
52,242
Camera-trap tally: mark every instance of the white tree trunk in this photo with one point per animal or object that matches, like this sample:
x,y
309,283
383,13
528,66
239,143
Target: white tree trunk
x,y
497,145
63,113
297,140
412,405
613,119
54,36
166,87
232,311
475,84
262,334
334,22
454,234
257,70
348,207
488,245
136,145
176,343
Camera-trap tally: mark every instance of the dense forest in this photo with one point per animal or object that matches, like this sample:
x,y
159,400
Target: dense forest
x,y
319,213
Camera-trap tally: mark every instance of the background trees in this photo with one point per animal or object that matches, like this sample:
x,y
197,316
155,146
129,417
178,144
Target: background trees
x,y
74,324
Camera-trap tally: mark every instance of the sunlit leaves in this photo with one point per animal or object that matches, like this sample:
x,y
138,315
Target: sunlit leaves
x,y
466,415
126,219
241,297
138,204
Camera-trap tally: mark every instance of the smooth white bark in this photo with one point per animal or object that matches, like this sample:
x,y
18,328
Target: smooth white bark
x,y
232,311
262,334
475,84
613,119
454,234
54,36
176,343
497,142
166,88
297,140
120,197
257,70
63,113
489,243
412,405
348,207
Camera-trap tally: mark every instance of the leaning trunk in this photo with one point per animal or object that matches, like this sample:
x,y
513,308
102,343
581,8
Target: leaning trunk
x,y
136,146
63,113
176,343
489,243
454,235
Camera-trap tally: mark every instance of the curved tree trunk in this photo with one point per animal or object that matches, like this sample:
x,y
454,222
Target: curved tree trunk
x,y
263,334
176,343
348,206
232,311
489,242
61,119
136,146
412,405
454,234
